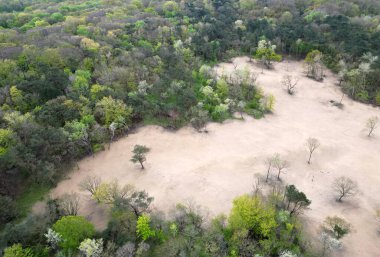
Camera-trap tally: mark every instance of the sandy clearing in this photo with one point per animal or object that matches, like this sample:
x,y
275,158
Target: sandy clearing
x,y
211,169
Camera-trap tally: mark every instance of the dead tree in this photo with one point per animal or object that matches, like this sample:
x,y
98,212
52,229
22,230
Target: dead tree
x,y
372,124
312,145
90,184
345,187
289,83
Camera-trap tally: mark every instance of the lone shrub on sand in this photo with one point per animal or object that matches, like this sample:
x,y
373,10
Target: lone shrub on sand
x,y
312,144
139,152
372,124
345,187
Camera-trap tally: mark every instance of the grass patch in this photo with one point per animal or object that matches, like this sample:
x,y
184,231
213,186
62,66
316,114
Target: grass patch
x,y
29,197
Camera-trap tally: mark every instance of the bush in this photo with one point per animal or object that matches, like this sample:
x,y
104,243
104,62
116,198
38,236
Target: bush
x,y
16,250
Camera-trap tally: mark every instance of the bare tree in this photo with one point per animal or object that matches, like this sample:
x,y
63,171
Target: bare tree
x,y
312,145
372,124
280,165
344,187
270,162
90,184
69,204
289,83
256,187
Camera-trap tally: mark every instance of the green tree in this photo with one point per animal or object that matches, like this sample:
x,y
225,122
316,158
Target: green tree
x,y
110,110
297,201
143,228
250,213
139,152
78,133
73,230
266,53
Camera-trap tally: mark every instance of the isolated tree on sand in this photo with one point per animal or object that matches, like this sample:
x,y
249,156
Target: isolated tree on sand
x,y
312,144
139,152
266,53
270,162
280,165
372,124
336,226
289,83
344,187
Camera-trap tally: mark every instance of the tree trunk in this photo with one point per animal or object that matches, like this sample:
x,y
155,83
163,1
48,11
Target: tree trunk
x,y
142,165
309,157
266,180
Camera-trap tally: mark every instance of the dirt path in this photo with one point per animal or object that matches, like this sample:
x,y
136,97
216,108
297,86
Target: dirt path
x,y
211,169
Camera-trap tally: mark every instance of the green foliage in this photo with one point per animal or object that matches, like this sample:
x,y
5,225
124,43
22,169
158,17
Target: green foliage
x,y
110,110
143,229
139,152
16,250
266,53
250,213
6,136
73,230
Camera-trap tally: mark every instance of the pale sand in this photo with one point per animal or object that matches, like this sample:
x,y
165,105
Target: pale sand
x,y
212,169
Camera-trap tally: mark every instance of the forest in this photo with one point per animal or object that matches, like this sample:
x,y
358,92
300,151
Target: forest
x,y
77,75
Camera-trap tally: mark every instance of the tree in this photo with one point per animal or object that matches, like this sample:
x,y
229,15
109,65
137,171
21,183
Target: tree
x,y
289,83
73,229
329,243
312,144
109,193
91,247
199,118
16,250
344,187
280,165
90,184
314,65
139,152
143,229
297,201
78,133
372,124
266,53
53,238
336,226
270,162
110,110
250,213
69,204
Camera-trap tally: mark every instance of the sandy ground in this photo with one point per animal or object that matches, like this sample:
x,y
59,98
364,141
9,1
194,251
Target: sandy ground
x,y
212,169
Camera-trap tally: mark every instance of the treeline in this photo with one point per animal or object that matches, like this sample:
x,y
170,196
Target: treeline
x,y
257,226
76,74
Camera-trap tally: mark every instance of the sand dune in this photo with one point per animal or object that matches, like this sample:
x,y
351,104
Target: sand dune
x,y
212,169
